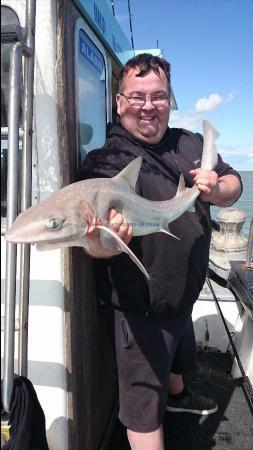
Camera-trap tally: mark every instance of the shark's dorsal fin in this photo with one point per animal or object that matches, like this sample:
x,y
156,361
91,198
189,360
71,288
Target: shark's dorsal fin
x,y
131,172
181,184
121,246
209,156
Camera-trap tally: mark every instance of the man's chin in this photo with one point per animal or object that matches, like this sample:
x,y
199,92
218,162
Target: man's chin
x,y
150,134
150,138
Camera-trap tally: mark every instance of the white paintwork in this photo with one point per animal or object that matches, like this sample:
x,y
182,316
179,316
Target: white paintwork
x,y
46,343
45,100
52,402
244,346
239,323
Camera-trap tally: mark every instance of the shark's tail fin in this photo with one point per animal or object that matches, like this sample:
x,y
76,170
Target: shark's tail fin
x,y
209,156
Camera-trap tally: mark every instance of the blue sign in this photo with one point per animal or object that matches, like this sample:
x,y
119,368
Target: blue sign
x,y
87,50
100,17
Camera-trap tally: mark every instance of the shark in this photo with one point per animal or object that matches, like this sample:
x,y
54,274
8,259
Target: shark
x,y
66,218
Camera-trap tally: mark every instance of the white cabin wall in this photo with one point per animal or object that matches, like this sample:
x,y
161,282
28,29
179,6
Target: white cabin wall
x,y
47,312
46,341
46,337
46,151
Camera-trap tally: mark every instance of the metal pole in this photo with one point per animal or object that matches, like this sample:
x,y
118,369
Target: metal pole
x,y
26,187
250,246
130,24
12,202
113,9
12,207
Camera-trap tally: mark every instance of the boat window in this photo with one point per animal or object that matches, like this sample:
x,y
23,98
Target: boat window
x,y
9,25
10,33
91,96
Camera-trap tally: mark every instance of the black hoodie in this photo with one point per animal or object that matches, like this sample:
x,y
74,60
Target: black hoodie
x,y
177,268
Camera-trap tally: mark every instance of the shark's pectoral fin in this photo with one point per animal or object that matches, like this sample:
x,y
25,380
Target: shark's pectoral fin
x,y
115,241
162,230
107,239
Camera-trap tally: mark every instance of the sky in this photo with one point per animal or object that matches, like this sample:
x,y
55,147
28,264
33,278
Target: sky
x,y
209,44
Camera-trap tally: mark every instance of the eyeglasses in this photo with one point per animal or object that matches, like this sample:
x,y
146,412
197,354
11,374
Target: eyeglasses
x,y
139,100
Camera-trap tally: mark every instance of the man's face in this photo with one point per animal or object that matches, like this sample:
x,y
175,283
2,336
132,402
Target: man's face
x,y
147,123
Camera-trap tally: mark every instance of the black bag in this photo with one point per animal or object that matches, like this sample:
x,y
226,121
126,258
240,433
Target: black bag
x,y
26,418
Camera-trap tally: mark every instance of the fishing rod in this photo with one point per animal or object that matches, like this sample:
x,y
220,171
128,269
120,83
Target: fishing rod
x,y
113,9
246,382
130,24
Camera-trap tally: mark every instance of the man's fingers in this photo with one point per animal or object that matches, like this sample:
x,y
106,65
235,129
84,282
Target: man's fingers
x,y
203,188
203,182
120,225
111,214
116,222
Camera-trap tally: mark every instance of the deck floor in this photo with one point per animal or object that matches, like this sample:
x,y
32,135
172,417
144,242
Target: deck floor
x,y
231,427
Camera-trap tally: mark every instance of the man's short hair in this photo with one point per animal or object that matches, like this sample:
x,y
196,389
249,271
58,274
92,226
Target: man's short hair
x,y
145,62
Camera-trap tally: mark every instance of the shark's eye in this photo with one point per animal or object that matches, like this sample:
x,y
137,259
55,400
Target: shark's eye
x,y
54,223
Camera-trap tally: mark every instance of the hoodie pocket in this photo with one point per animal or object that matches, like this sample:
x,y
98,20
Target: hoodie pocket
x,y
127,339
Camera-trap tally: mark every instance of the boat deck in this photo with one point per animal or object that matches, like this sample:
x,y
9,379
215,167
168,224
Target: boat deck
x,y
231,427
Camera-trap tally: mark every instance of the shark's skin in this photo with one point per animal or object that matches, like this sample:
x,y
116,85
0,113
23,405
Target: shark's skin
x,y
66,218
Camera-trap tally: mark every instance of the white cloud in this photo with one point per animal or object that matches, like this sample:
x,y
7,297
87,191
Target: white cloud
x,y
191,121
230,98
240,157
213,101
209,103
239,150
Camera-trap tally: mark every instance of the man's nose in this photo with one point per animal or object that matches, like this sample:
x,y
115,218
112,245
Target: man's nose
x,y
148,105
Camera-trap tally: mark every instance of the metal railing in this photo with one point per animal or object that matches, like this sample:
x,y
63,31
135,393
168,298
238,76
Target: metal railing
x,y
19,51
248,262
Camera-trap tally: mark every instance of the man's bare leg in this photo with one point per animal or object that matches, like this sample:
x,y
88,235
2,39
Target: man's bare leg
x,y
147,441
176,384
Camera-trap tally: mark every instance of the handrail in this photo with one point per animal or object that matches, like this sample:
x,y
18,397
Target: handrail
x,y
26,188
19,50
248,262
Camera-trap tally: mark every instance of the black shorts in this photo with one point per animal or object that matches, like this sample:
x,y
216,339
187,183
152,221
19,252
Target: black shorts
x,y
147,350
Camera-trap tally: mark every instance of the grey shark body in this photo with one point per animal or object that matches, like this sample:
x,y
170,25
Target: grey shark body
x,y
64,219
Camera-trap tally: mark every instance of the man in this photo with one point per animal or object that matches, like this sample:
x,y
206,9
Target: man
x,y
153,328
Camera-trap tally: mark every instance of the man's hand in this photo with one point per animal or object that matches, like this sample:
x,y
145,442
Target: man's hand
x,y
119,225
220,191
207,182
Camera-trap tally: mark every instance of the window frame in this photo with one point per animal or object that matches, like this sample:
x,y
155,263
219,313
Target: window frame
x,y
81,25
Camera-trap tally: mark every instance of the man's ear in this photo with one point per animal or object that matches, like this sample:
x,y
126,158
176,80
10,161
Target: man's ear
x,y
118,103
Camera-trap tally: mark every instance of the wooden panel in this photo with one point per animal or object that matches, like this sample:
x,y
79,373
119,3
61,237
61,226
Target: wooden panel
x,y
89,350
93,369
